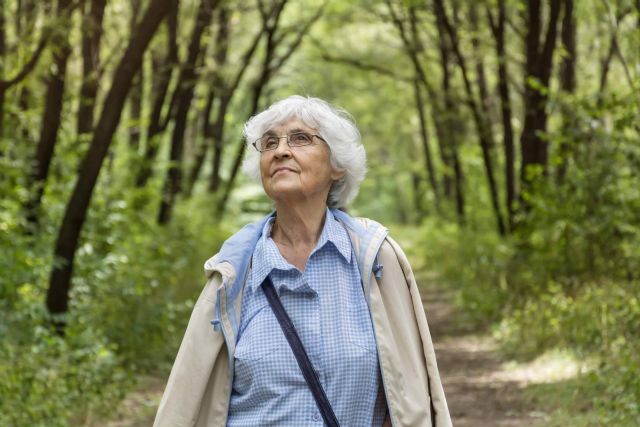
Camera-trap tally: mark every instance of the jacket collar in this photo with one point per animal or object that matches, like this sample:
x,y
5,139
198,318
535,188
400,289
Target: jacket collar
x,y
232,262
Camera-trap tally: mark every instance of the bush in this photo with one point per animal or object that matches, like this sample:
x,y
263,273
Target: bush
x,y
133,289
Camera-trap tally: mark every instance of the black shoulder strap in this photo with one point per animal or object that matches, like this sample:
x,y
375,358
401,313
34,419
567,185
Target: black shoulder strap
x,y
299,352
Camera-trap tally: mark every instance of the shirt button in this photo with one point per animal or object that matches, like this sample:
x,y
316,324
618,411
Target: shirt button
x,y
317,417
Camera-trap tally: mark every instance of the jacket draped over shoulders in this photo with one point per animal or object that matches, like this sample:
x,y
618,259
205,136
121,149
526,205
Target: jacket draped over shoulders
x,y
199,386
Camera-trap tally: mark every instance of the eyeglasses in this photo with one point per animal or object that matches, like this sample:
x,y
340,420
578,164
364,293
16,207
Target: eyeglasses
x,y
296,139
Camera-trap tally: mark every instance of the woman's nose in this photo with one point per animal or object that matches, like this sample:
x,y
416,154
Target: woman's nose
x,y
283,149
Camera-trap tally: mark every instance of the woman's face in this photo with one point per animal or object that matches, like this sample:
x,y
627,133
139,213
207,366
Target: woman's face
x,y
298,174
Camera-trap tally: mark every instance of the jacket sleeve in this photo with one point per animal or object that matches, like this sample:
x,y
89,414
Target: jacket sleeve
x,y
397,272
190,382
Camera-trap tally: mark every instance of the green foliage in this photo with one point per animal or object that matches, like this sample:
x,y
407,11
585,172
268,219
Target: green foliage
x,y
568,276
46,380
133,289
473,262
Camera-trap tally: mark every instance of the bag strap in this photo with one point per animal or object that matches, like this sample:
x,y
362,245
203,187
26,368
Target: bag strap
x,y
299,352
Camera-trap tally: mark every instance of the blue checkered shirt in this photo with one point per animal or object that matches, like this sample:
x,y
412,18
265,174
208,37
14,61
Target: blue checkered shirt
x,y
327,306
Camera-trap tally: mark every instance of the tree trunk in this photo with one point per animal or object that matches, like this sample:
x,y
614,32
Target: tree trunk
x,y
3,51
51,118
498,30
27,14
184,94
217,136
135,110
255,99
163,67
217,130
91,35
484,132
424,138
485,97
539,63
76,210
413,47
567,82
227,93
424,132
605,62
203,146
137,91
448,129
214,133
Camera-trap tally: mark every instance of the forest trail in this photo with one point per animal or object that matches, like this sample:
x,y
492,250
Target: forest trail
x,y
480,391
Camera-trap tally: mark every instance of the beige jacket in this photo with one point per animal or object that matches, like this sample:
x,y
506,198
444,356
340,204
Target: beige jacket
x,y
199,387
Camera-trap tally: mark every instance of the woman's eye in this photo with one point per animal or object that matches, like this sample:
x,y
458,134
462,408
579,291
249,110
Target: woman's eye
x,y
270,143
301,138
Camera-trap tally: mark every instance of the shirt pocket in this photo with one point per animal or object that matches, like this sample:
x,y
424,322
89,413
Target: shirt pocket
x,y
262,337
263,359
364,343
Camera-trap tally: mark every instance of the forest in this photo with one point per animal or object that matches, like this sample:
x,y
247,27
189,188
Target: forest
x,y
503,146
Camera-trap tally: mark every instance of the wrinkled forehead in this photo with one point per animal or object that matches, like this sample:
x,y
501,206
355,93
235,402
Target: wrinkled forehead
x,y
289,123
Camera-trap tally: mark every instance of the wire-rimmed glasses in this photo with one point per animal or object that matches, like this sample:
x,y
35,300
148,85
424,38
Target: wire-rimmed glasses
x,y
270,142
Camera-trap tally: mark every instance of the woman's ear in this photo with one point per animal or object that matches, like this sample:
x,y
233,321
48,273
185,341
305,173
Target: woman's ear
x,y
337,175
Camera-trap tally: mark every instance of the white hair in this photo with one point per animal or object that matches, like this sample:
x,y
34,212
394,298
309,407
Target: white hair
x,y
335,125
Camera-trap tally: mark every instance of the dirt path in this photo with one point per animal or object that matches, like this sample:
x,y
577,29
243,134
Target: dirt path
x,y
480,393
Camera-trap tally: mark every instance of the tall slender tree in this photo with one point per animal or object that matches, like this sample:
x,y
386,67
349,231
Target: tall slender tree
x,y
164,64
498,28
183,96
485,136
76,210
137,90
227,92
413,47
449,127
51,118
538,69
216,92
567,81
3,49
92,15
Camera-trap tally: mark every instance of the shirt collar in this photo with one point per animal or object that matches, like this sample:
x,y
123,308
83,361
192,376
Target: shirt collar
x,y
265,257
270,258
334,232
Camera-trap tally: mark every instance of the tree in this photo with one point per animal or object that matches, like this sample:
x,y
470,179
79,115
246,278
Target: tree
x,y
161,79
3,48
76,210
567,81
448,124
92,15
485,137
182,98
413,46
55,85
498,29
137,90
216,92
226,92
538,69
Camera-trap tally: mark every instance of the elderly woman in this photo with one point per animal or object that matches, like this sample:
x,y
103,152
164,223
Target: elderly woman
x,y
309,316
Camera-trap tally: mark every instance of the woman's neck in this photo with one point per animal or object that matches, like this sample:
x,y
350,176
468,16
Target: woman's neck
x,y
298,226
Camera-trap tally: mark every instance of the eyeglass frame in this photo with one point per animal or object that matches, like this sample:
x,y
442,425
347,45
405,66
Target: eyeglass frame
x,y
288,138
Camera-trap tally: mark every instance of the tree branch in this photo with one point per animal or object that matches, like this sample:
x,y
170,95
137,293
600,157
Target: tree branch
x,y
298,39
356,63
